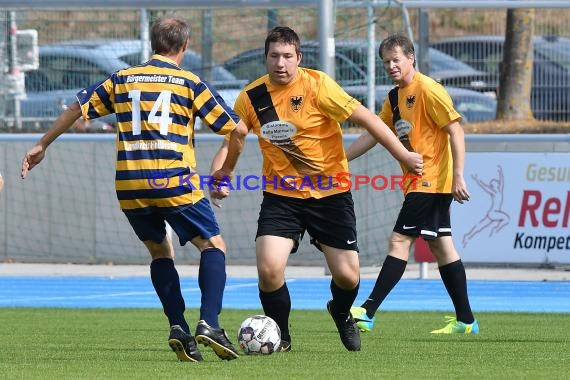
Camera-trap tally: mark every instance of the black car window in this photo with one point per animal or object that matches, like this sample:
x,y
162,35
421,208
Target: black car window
x,y
252,66
131,59
81,73
346,71
63,73
37,80
476,54
359,55
248,67
49,76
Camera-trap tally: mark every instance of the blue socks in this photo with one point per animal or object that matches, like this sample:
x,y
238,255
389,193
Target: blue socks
x,y
167,286
212,281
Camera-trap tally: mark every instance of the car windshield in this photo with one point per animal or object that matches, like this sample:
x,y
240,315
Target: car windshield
x,y
443,62
439,61
251,65
192,62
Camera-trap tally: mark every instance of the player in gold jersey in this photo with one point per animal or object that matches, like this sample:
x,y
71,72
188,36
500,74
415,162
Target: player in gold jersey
x,y
421,114
296,114
156,104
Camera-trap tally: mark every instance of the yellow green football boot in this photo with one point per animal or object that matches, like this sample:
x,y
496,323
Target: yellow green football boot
x,y
453,326
363,321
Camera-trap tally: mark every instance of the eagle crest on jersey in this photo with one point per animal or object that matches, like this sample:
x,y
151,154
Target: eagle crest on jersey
x,y
410,100
296,102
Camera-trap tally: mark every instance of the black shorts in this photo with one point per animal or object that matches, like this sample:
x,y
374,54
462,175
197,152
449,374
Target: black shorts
x,y
425,215
330,220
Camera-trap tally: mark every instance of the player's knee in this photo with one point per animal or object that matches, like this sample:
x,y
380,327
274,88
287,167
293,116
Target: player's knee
x,y
346,277
158,251
213,242
218,242
270,283
161,250
443,250
400,245
347,282
270,278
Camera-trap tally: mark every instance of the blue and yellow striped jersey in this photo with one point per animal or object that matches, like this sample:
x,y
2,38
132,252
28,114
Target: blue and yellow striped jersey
x,y
156,105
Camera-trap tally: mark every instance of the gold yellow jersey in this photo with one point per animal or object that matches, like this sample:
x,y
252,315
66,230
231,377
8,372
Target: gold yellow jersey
x,y
427,107
299,133
156,105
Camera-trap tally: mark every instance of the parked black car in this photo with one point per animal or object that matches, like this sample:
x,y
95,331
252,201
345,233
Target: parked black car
x,y
473,105
442,67
351,66
550,95
250,65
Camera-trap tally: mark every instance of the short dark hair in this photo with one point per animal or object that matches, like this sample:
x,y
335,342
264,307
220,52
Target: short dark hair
x,y
398,39
168,35
285,35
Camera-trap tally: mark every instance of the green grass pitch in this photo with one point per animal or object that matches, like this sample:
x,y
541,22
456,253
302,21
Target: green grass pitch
x,y
42,343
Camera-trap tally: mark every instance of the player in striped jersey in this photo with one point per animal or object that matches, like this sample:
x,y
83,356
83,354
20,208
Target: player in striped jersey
x,y
296,114
156,105
421,112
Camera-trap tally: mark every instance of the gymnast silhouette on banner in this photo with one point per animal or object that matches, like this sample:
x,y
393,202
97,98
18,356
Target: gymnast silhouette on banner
x,y
495,218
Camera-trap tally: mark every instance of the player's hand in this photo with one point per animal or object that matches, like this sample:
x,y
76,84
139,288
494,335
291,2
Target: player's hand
x,y
216,196
222,179
415,163
33,157
459,190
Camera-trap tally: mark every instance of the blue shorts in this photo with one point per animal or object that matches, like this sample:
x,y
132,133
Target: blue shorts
x,y
196,220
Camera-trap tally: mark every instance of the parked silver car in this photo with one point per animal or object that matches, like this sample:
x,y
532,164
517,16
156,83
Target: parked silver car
x,y
67,67
472,105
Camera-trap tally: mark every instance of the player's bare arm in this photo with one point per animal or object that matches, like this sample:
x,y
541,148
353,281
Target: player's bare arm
x,y
219,192
224,162
361,145
65,121
235,147
380,131
457,143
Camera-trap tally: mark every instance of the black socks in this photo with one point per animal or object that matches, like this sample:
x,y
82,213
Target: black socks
x,y
277,305
390,274
455,281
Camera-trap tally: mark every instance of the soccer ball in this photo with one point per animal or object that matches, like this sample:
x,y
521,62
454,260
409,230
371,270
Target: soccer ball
x,y
259,335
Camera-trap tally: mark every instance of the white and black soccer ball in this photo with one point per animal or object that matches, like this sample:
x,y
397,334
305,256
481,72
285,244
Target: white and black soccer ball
x,y
259,334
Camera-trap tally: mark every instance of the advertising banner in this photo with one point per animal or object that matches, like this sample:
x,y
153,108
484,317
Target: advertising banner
x,y
519,209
